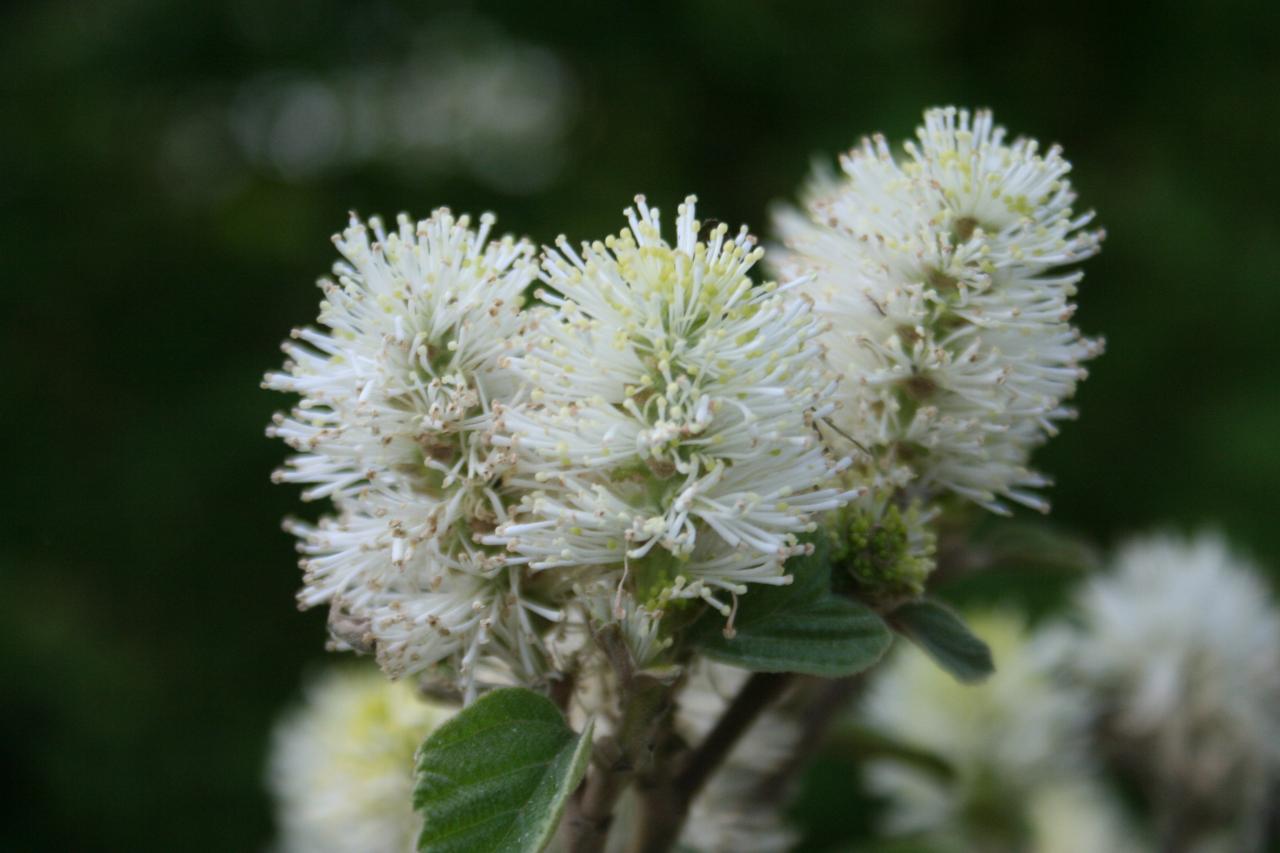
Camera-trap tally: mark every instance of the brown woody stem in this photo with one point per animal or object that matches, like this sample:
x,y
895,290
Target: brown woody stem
x,y
665,797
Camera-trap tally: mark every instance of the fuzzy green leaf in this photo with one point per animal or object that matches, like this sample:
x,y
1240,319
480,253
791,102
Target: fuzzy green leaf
x,y
802,627
498,775
945,638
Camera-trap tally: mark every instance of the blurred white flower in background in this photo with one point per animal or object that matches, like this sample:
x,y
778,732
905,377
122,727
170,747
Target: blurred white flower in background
x,y
464,98
1002,741
1178,648
341,766
941,276
467,98
1080,816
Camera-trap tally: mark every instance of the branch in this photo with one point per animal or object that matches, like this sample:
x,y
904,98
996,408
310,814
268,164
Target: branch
x,y
591,810
617,761
645,710
756,695
824,709
665,799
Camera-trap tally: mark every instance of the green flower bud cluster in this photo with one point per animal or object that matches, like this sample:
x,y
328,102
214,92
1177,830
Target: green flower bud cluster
x,y
885,552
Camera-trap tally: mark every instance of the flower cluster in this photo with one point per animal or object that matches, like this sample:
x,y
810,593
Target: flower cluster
x,y
543,467
950,314
659,429
645,435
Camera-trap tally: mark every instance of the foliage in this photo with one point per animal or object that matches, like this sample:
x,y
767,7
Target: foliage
x,y
945,638
498,775
803,627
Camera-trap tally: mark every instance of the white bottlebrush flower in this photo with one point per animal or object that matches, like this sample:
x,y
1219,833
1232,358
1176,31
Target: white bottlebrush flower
x,y
1001,739
1179,647
669,436
397,394
941,275
341,766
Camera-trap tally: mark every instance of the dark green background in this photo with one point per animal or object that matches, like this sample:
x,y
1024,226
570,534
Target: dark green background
x,y
150,268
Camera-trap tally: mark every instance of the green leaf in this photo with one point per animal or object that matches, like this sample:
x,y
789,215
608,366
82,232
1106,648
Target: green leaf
x,y
802,627
498,775
945,638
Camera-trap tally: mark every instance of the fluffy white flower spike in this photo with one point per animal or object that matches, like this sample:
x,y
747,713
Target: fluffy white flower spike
x,y
671,428
398,391
950,314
